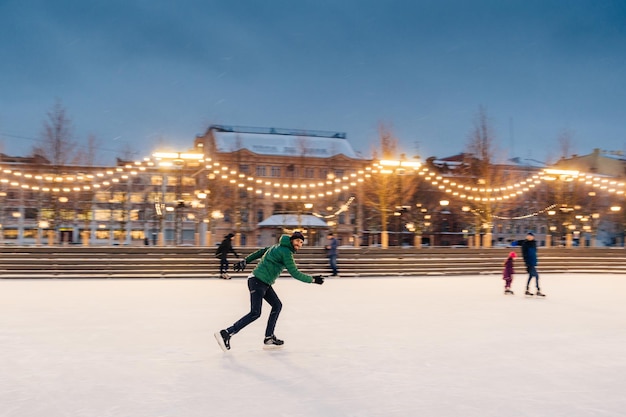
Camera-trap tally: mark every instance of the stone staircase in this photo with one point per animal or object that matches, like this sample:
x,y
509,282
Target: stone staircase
x,y
67,262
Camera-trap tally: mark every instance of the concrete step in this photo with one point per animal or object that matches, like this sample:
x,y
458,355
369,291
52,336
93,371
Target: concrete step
x,y
191,262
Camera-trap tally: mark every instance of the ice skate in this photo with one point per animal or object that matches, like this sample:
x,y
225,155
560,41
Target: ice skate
x,y
508,291
223,339
224,275
540,294
528,293
271,342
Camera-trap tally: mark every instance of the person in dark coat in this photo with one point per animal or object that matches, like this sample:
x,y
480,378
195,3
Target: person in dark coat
x,y
507,274
331,253
222,252
529,252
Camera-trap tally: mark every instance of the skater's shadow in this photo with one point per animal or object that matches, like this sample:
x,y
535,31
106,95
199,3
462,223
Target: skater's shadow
x,y
295,384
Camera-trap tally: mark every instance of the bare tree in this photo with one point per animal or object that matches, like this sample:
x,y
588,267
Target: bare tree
x,y
565,141
479,163
57,146
381,192
87,155
127,152
57,137
481,140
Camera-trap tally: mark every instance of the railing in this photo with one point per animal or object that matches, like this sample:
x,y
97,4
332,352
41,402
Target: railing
x,y
198,262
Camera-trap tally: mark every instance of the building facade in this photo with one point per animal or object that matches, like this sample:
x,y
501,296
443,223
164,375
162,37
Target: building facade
x,y
281,180
261,182
254,182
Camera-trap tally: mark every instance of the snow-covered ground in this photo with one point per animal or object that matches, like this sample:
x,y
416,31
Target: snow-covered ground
x,y
440,346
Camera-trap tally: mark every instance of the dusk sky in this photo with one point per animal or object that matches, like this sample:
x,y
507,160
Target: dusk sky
x,y
146,75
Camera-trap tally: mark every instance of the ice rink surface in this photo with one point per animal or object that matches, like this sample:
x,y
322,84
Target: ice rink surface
x,y
436,346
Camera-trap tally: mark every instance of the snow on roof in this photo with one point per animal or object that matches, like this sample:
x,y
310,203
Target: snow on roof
x,y
527,162
283,145
293,220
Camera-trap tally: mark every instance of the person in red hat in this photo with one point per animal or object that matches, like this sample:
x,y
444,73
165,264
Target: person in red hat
x,y
274,259
507,274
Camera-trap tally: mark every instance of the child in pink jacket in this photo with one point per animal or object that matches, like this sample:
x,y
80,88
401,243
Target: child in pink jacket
x,y
507,274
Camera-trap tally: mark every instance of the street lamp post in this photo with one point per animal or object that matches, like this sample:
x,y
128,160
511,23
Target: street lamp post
x,y
20,224
215,216
468,231
397,214
594,232
420,225
20,220
551,228
400,211
617,210
398,167
179,160
442,219
111,221
201,239
160,210
570,235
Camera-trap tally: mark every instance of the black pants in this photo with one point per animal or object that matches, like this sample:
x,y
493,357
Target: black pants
x,y
259,291
223,265
332,262
532,272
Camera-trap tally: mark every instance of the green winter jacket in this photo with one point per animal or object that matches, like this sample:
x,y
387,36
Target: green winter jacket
x,y
274,259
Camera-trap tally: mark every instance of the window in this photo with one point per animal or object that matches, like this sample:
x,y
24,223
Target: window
x,y
275,172
260,171
244,169
292,171
30,213
156,180
188,181
309,173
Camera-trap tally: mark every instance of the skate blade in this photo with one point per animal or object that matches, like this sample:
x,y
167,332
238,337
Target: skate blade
x,y
220,341
273,347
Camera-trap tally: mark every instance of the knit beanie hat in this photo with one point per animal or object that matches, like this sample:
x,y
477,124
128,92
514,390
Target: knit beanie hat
x,y
297,235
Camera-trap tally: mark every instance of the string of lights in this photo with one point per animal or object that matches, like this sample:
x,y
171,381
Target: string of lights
x,y
341,209
526,216
13,178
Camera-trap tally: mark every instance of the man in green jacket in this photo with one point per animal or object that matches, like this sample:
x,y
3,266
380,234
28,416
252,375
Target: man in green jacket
x,y
273,260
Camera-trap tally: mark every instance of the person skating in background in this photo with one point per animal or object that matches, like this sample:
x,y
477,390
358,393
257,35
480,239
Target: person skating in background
x,y
507,274
222,252
529,252
331,253
274,259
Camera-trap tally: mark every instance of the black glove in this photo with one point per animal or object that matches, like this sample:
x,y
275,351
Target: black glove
x,y
239,266
318,279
